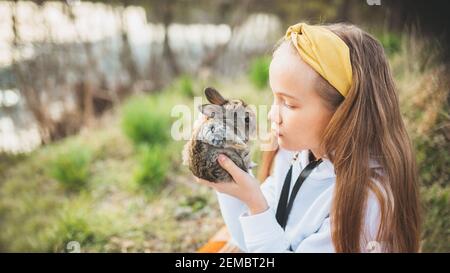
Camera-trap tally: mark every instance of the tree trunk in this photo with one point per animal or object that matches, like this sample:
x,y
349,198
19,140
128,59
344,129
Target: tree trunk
x,y
167,50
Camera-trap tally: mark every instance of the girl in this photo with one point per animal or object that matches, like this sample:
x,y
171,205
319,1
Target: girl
x,y
344,177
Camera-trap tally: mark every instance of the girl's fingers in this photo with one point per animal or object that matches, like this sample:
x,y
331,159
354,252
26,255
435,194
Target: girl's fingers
x,y
205,182
223,187
231,168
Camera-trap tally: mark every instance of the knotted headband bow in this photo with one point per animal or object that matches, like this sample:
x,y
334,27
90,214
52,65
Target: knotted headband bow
x,y
325,52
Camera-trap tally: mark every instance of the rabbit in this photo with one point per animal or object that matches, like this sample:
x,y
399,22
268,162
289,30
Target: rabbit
x,y
225,127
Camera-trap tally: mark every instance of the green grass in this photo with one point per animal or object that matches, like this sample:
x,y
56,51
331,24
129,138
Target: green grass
x,y
152,168
112,213
436,231
144,122
71,166
259,72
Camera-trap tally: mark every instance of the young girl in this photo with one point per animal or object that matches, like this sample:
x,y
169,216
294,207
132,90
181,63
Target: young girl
x,y
344,176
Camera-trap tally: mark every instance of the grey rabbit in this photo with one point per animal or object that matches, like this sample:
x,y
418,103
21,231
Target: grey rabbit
x,y
225,128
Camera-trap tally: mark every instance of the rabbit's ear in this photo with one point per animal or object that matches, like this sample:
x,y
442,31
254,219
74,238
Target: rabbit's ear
x,y
211,110
214,96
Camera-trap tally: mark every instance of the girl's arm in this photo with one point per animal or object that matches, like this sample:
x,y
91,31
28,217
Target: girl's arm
x,y
232,209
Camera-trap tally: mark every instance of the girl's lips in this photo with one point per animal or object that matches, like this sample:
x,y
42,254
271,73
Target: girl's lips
x,y
276,131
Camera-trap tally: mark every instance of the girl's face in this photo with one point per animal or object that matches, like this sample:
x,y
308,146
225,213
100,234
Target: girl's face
x,y
298,114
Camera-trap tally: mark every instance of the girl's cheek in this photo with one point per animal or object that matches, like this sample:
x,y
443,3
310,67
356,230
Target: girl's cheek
x,y
286,114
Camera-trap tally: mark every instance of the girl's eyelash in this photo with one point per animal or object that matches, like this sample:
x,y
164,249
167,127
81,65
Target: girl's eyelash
x,y
287,105
283,102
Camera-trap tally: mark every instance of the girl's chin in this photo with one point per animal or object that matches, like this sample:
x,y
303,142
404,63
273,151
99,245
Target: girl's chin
x,y
283,143
286,145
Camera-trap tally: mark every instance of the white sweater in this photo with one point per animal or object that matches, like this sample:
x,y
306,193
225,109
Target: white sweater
x,y
308,226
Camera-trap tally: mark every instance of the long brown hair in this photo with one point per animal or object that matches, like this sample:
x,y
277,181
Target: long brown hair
x,y
367,125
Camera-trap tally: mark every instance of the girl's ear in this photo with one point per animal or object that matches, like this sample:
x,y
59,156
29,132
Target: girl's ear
x,y
211,110
214,96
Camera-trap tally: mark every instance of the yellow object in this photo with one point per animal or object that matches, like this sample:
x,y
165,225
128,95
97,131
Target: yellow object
x,y
325,52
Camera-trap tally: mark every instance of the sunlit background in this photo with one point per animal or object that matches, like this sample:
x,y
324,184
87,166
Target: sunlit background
x,y
87,88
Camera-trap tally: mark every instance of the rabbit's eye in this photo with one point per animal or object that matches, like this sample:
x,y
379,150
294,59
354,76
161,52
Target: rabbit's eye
x,y
247,118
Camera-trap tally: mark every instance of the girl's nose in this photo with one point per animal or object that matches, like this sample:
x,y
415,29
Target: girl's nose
x,y
274,114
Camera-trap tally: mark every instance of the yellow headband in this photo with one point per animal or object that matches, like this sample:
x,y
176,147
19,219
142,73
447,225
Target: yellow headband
x,y
325,52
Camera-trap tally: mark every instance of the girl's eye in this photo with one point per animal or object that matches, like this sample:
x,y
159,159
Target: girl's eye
x,y
288,105
278,100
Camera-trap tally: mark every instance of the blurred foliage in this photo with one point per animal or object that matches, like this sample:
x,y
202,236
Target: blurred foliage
x,y
71,166
436,227
144,123
152,167
433,165
72,226
424,101
112,215
195,203
9,160
259,72
186,86
391,42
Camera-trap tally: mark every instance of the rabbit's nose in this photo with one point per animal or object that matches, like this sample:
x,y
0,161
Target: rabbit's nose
x,y
217,141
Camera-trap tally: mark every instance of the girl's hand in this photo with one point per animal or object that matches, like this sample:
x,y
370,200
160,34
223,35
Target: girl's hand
x,y
245,187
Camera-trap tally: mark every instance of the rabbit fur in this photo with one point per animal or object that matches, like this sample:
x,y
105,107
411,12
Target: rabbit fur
x,y
225,127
